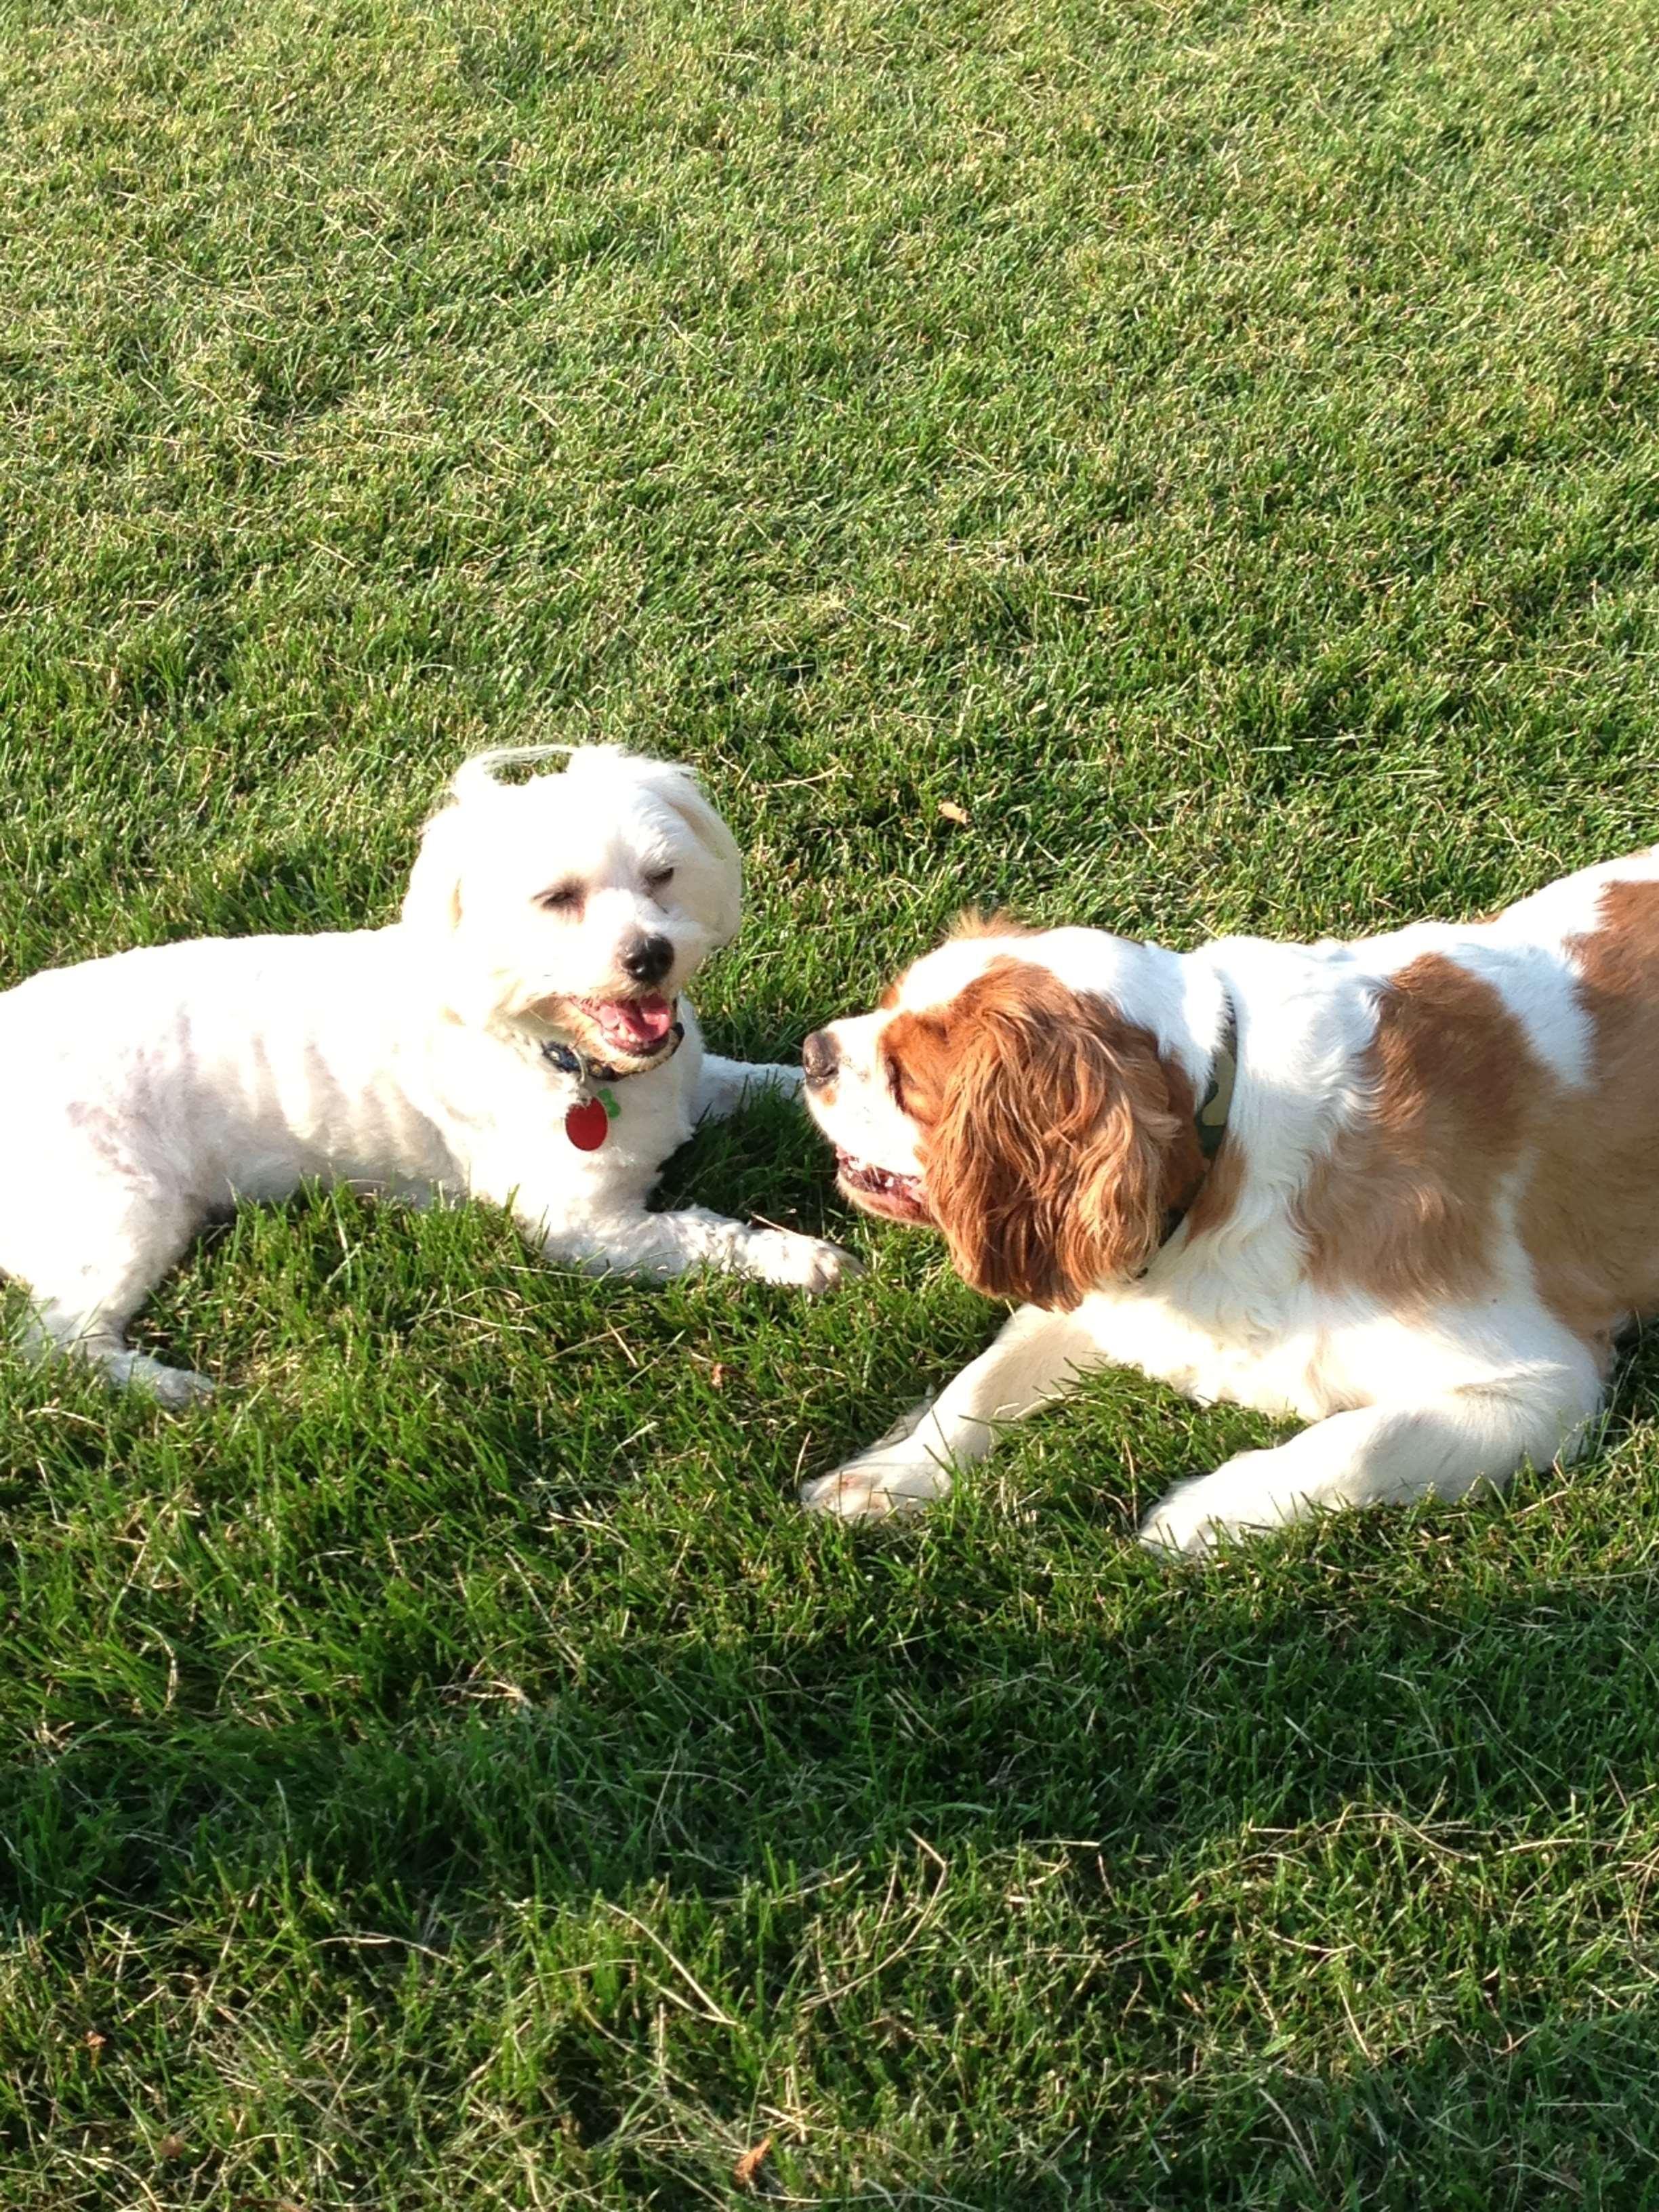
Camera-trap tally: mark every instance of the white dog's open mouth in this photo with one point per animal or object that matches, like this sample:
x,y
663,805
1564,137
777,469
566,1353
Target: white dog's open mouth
x,y
899,1197
638,1027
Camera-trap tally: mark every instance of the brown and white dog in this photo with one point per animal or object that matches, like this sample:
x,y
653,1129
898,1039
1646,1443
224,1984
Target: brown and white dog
x,y
1406,1189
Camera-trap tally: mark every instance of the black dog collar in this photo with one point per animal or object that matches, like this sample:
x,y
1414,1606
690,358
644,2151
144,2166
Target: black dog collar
x,y
1210,1121
591,1072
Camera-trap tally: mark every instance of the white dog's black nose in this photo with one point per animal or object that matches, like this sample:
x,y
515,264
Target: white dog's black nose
x,y
647,959
820,1056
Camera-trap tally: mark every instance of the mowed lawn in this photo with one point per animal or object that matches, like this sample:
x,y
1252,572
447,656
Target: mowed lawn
x,y
1181,467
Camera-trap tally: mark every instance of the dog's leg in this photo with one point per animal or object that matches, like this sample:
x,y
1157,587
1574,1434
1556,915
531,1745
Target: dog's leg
x,y
1445,1446
1037,1358
660,1245
723,1084
775,1256
51,1329
83,1307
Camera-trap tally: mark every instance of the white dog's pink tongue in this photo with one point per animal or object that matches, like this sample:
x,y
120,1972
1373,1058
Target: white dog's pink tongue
x,y
635,1022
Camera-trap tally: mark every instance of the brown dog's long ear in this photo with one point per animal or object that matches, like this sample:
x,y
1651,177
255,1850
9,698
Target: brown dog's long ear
x,y
1051,1167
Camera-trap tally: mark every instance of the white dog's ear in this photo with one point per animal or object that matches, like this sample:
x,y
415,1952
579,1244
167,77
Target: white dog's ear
x,y
684,795
433,901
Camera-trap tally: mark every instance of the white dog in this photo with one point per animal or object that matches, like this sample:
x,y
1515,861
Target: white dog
x,y
1404,1189
519,1035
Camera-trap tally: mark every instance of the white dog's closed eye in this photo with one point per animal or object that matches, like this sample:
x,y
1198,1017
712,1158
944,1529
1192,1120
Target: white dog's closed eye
x,y
520,1034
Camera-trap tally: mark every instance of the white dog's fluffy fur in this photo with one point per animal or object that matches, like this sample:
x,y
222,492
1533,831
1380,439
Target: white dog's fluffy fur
x,y
148,1093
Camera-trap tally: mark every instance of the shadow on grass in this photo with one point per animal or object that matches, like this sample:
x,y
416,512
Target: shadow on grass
x,y
1562,2114
740,1762
911,1699
743,1778
708,1763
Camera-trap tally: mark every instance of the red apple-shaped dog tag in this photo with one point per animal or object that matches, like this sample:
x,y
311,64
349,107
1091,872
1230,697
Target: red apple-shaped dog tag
x,y
585,1125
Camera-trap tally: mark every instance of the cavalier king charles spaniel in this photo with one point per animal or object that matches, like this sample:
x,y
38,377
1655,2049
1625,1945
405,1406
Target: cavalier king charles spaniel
x,y
1402,1189
520,1034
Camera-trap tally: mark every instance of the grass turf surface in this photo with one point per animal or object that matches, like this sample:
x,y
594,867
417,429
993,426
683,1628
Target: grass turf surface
x,y
1214,449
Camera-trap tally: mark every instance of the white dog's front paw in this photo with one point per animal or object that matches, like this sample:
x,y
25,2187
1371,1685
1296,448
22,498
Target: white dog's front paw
x,y
174,1388
1176,1531
803,1263
906,1425
1199,1516
875,1485
782,1077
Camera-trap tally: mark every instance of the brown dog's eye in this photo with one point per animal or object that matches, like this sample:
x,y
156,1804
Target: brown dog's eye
x,y
915,1064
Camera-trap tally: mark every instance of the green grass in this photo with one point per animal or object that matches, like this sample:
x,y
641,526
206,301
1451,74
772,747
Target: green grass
x,y
1218,449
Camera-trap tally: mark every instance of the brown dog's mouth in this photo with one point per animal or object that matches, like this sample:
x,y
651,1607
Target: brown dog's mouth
x,y
878,1190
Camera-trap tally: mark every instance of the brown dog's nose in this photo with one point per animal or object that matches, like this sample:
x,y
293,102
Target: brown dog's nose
x,y
820,1056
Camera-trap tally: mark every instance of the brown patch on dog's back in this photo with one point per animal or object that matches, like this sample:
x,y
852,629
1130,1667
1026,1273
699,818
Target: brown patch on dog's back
x,y
1404,1205
1591,1218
